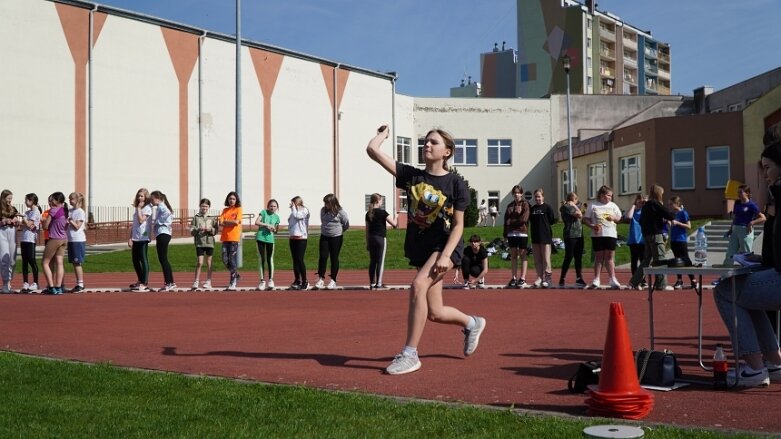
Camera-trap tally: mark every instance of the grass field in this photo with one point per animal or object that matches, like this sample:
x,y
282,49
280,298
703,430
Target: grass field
x,y
353,255
45,398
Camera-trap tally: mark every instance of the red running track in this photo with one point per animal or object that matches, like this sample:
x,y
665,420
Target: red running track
x,y
344,339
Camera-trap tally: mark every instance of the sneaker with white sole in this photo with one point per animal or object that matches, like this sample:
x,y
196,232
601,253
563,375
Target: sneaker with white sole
x,y
168,287
195,285
208,284
594,284
331,285
748,377
472,336
773,371
403,363
231,286
270,284
33,287
537,282
320,284
615,284
262,285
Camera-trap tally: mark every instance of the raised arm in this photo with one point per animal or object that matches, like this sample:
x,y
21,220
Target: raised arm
x,y
376,154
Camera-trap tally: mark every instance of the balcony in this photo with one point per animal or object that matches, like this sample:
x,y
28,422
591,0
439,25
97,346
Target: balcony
x,y
663,90
607,53
607,33
651,69
663,73
606,90
664,57
628,77
606,72
630,43
650,52
628,59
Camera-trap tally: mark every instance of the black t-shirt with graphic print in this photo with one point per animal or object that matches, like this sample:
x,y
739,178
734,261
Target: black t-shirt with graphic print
x,y
431,201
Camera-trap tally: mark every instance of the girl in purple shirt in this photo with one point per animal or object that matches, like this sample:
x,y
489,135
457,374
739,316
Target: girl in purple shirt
x,y
56,223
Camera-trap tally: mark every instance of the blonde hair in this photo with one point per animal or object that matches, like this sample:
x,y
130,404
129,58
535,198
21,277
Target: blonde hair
x,y
450,144
79,198
144,191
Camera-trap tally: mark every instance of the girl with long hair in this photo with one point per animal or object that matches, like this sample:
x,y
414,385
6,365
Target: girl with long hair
x,y
333,223
433,243
635,240
163,220
602,216
8,221
203,228
516,231
230,221
679,235
376,242
140,229
652,221
298,231
77,238
57,224
31,223
541,216
573,239
268,225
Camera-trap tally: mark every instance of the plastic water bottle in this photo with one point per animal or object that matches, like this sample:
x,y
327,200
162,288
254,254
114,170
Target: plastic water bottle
x,y
719,368
701,247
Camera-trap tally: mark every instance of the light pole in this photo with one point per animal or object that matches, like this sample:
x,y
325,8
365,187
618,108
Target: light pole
x,y
567,64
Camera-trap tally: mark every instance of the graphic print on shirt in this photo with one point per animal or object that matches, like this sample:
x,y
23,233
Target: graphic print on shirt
x,y
429,203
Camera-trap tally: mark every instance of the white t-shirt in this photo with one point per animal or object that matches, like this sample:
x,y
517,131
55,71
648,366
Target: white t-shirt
x,y
484,208
597,212
140,231
28,235
77,235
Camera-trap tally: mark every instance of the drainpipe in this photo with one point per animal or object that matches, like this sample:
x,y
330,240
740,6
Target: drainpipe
x,y
336,118
200,113
90,212
393,132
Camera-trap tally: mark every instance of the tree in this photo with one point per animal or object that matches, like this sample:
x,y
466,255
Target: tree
x,y
471,214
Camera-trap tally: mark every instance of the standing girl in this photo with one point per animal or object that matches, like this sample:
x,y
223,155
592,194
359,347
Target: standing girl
x,y
268,225
602,216
333,223
30,226
139,238
8,220
163,220
77,238
483,211
230,221
203,229
376,230
573,239
541,216
57,224
678,238
516,231
635,240
745,214
437,200
298,229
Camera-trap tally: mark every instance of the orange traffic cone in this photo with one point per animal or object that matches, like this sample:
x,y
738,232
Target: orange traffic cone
x,y
619,393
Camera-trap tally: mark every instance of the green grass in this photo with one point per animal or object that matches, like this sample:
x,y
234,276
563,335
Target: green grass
x,y
44,398
353,255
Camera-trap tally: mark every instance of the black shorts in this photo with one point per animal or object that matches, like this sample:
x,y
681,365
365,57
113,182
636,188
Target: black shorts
x,y
603,243
208,251
521,242
493,214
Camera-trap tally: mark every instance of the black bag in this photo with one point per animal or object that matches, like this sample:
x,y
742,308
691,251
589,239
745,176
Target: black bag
x,y
587,374
657,368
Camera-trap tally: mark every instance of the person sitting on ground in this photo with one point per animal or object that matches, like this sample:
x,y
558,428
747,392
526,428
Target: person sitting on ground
x,y
474,263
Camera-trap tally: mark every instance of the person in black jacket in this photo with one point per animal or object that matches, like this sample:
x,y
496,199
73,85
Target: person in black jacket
x,y
652,218
756,293
541,216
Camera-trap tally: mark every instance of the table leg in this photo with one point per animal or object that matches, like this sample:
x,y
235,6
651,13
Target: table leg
x,y
698,290
736,349
651,308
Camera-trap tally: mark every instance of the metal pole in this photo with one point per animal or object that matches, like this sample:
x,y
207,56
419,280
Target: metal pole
x,y
90,186
569,142
240,259
200,116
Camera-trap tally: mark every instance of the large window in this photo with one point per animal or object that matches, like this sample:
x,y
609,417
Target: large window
x,y
564,179
500,152
402,200
421,144
466,152
718,166
630,174
596,178
683,168
403,149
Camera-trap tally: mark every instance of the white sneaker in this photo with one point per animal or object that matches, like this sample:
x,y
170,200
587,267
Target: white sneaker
x,y
270,284
614,284
25,286
331,285
231,286
207,284
195,285
169,287
472,337
320,284
538,282
749,377
403,363
33,286
262,285
594,284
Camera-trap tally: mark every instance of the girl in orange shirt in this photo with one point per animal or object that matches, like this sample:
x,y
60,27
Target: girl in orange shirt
x,y
230,221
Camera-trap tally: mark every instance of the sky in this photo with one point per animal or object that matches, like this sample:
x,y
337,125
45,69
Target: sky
x,y
434,44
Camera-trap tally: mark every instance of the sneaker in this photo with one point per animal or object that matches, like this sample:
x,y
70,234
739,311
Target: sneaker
x,y
773,371
134,286
25,287
270,284
472,337
562,284
521,283
77,289
695,285
231,286
748,377
169,287
643,285
594,284
466,285
320,284
678,285
262,285
49,290
381,287
141,288
57,291
305,285
665,288
403,363
208,284
545,283
331,285
33,287
538,282
580,283
481,283
614,284
295,285
512,284
195,285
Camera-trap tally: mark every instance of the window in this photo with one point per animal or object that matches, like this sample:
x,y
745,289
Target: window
x,y
565,189
718,166
421,144
630,174
402,149
466,152
493,199
500,151
402,200
596,178
683,168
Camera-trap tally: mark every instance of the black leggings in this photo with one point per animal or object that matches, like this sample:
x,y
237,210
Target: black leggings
x,y
470,268
573,249
28,258
297,251
376,245
162,255
329,246
636,252
141,261
266,257
681,250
